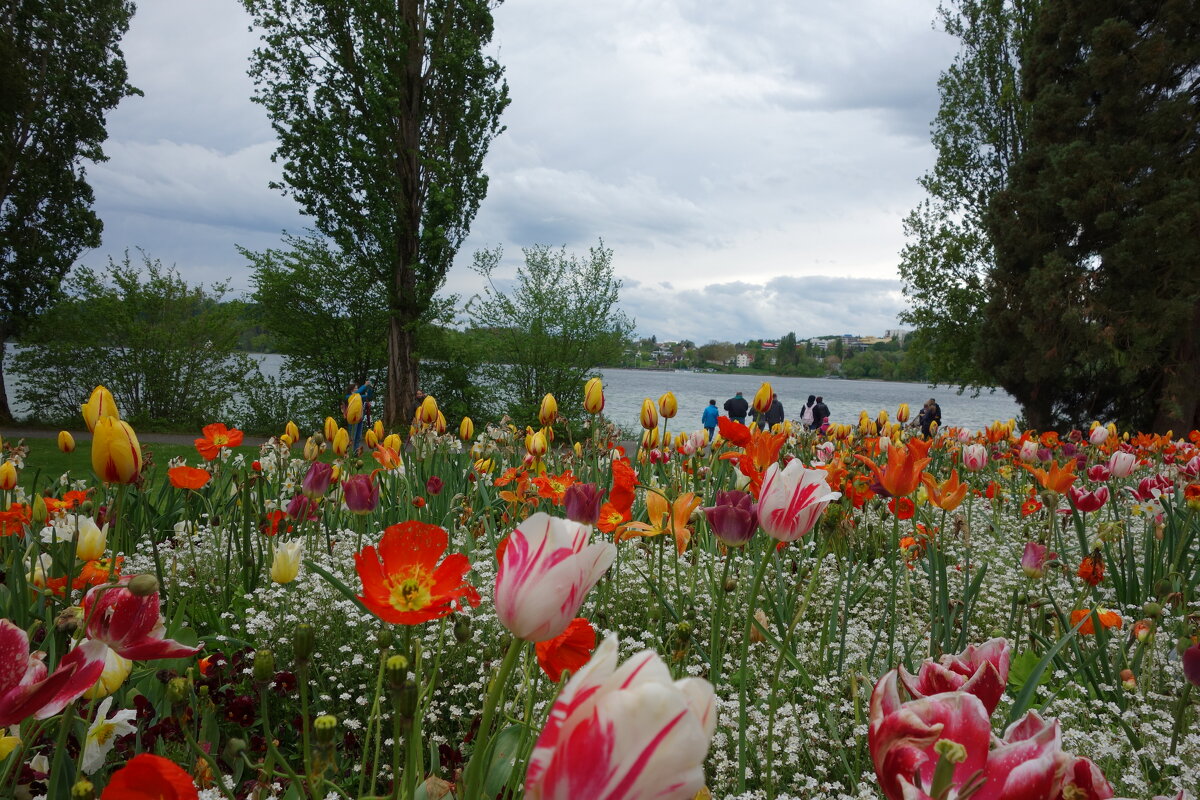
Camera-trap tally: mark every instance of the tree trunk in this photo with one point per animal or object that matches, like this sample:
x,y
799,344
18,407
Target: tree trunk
x,y
5,411
1179,404
400,400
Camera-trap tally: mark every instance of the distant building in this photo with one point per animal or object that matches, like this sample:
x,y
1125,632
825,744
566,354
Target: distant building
x,y
897,334
770,345
743,360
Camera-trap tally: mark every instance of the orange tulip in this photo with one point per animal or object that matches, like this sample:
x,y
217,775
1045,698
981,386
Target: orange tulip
x,y
903,471
116,454
947,495
1056,479
666,517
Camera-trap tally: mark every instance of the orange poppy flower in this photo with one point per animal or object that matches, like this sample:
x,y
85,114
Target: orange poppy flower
x,y
613,519
1191,495
1108,619
761,451
1056,479
733,432
183,477
666,518
553,487
1031,505
509,475
568,651
1091,569
150,776
403,581
902,507
276,522
903,471
215,437
388,458
14,520
947,495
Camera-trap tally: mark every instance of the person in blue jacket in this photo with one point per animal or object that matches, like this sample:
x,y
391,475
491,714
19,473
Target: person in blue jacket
x,y
709,419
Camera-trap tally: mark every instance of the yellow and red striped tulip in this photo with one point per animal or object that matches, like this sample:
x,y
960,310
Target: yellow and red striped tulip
x,y
354,409
331,428
292,432
100,404
8,476
649,415
116,454
762,398
311,449
428,412
667,406
593,396
548,412
66,442
341,441
466,429
535,444
392,442
370,439
378,428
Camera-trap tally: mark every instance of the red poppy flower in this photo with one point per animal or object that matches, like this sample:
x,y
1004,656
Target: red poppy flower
x,y
1091,569
275,522
217,436
553,487
402,581
902,507
568,651
188,477
150,777
1030,506
13,521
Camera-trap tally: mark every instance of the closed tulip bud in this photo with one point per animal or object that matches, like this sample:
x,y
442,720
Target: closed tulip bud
x,y
286,564
466,429
100,404
593,396
90,540
649,416
8,476
341,442
439,424
668,407
549,434
392,442
582,501
66,442
39,513
354,409
116,454
428,410
378,428
548,412
292,432
535,444
361,494
902,413
287,440
578,448
762,398
370,439
311,449
330,428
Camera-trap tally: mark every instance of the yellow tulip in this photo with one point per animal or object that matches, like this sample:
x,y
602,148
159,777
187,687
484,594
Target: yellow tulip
x,y
116,454
292,432
8,743
100,404
578,449
548,412
392,442
287,440
330,429
593,396
484,465
341,441
649,415
116,671
311,449
883,416
536,445
354,409
66,442
650,438
667,406
378,428
370,438
286,564
466,429
8,476
428,410
439,424
762,398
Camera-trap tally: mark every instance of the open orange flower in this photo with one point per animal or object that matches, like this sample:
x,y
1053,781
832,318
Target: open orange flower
x,y
1091,568
903,471
403,581
568,651
184,477
947,495
388,458
553,487
1056,479
14,520
148,776
215,437
760,450
1108,619
666,517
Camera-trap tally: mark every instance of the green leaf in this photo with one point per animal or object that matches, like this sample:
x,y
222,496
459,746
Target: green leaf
x,y
1021,668
505,747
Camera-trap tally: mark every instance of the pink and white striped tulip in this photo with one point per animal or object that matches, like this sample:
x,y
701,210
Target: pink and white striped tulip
x,y
792,499
28,689
130,623
546,570
1098,434
624,733
981,671
974,457
1029,451
1121,464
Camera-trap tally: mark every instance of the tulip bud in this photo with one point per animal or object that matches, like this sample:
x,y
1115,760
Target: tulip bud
x,y
330,428
8,476
462,628
535,444
902,413
99,405
292,432
287,440
286,564
39,513
466,429
354,409
667,406
311,449
370,439
66,442
116,454
341,442
762,398
649,416
548,412
428,410
578,448
439,424
142,585
593,396
264,666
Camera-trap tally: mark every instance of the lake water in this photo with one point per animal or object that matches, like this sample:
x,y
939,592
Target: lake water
x,y
624,390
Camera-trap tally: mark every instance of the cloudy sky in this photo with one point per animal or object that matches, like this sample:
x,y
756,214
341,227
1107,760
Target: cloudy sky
x,y
748,162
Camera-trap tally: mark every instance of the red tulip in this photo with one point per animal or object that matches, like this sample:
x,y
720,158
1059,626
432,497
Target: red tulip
x,y
981,671
1086,501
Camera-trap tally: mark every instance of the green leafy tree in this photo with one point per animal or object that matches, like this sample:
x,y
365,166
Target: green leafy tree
x,y
558,322
61,70
1094,309
167,350
978,134
327,317
384,112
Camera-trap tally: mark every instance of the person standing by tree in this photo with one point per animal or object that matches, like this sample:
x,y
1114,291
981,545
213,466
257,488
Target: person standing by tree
x,y
736,407
709,419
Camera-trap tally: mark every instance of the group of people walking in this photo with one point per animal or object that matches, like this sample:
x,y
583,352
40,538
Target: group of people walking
x,y
814,417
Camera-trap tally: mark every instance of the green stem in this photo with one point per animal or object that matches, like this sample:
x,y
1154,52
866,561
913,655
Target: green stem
x,y
742,723
718,623
473,780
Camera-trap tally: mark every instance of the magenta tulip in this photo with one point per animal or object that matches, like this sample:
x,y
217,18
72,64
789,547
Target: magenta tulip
x,y
792,499
1033,560
361,494
28,689
1085,501
130,623
1099,473
582,501
302,507
734,518
624,733
546,570
316,481
1191,664
981,671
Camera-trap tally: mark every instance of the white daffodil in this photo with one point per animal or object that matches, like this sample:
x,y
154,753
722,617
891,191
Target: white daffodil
x,y
103,734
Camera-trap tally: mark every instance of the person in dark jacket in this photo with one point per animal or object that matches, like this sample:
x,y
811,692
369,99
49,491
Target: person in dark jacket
x,y
930,414
736,407
774,415
820,415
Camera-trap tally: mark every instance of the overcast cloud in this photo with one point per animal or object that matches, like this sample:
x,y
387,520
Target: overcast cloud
x,y
749,163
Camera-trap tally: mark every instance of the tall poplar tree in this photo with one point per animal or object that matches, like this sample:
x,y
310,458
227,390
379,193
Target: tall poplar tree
x,y
384,110
61,71
1093,305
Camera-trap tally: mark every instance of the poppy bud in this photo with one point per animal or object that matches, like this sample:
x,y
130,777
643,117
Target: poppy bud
x,y
323,728
303,642
179,691
142,585
384,638
83,790
396,669
264,666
